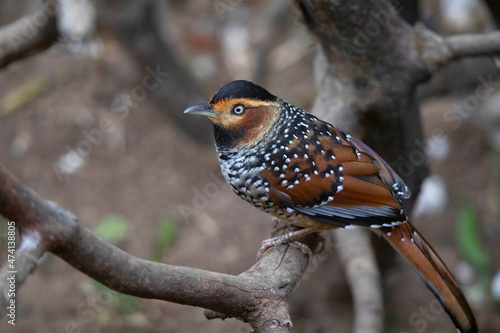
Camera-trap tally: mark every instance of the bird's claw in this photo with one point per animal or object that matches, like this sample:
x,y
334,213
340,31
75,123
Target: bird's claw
x,y
287,238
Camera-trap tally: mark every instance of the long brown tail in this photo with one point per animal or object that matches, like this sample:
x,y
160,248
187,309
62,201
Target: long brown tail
x,y
415,249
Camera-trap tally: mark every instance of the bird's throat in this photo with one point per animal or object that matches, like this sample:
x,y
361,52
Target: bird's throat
x,y
227,138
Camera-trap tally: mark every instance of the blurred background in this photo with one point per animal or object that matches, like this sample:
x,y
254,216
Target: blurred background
x,y
95,124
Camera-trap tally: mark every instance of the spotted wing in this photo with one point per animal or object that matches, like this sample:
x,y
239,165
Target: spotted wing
x,y
336,179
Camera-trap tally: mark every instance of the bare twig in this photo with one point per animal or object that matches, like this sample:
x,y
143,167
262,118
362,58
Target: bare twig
x,y
478,45
364,278
30,34
437,51
258,295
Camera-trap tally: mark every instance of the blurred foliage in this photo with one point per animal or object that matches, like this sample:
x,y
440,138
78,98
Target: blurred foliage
x,y
167,230
24,94
493,198
123,304
37,86
471,245
469,240
114,229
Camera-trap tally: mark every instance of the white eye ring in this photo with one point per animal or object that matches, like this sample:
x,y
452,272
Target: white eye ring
x,y
238,109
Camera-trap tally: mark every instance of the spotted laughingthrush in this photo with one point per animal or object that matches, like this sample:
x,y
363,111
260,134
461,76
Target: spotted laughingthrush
x,y
300,169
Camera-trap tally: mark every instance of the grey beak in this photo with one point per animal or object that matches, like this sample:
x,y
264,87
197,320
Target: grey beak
x,y
204,109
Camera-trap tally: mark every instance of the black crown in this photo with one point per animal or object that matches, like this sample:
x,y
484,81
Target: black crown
x,y
242,89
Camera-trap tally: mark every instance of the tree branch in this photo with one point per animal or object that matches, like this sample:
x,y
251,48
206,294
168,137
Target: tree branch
x,y
29,34
258,295
437,51
478,45
364,278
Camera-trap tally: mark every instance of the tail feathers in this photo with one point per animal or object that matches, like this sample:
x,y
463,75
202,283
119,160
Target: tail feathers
x,y
415,249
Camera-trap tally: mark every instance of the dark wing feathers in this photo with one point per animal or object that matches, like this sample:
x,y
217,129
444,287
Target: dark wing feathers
x,y
388,175
339,181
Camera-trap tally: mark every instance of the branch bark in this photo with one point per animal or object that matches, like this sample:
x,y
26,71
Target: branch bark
x,y
437,51
258,296
361,270
474,45
32,33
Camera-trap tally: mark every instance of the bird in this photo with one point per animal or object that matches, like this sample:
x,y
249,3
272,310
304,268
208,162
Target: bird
x,y
305,171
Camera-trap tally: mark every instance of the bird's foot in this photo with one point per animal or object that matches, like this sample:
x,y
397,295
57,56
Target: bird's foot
x,y
288,238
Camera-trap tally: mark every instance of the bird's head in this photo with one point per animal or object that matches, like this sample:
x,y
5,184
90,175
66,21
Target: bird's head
x,y
242,112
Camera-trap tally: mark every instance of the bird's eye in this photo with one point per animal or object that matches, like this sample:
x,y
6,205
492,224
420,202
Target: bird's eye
x,y
238,109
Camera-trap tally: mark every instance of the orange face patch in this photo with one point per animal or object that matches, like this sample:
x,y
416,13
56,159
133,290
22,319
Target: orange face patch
x,y
258,117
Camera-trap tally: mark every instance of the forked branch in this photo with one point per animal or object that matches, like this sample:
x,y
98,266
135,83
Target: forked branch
x,y
258,295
